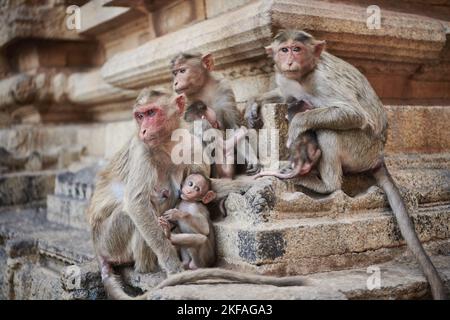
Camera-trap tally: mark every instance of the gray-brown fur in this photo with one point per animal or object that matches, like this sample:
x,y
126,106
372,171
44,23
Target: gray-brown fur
x,y
124,209
350,123
198,83
213,92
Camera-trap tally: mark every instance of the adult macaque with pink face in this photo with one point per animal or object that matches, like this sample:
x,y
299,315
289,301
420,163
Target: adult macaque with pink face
x,y
136,187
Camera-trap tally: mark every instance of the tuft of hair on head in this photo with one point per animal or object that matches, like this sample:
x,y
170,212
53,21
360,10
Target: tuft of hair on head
x,y
149,94
289,34
185,56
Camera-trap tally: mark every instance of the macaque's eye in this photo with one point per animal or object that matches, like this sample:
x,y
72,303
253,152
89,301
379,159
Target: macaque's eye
x,y
285,50
190,183
297,49
151,112
139,116
197,189
182,70
174,72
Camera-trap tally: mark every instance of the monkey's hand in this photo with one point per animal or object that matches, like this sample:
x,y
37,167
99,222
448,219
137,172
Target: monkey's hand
x,y
165,225
174,215
253,114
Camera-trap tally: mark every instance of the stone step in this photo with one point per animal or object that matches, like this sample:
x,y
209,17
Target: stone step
x,y
34,252
417,186
398,280
309,245
44,260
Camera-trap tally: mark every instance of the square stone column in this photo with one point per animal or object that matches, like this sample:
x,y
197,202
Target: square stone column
x,y
273,136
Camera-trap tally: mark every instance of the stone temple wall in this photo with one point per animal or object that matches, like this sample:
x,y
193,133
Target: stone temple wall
x,y
65,96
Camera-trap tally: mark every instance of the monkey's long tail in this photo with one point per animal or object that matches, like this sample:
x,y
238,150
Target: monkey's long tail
x,y
113,284
224,274
113,287
386,182
115,291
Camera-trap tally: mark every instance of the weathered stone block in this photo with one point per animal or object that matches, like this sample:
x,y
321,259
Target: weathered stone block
x,y
26,187
418,129
174,17
320,244
215,8
276,127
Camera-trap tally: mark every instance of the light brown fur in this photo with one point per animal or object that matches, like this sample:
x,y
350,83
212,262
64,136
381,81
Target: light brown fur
x,y
124,209
192,75
350,123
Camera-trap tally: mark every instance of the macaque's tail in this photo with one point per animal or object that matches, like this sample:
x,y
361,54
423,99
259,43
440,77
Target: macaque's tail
x,y
113,285
295,172
407,230
224,274
115,291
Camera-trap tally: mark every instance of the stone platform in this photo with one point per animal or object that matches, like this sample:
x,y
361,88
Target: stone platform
x,y
45,260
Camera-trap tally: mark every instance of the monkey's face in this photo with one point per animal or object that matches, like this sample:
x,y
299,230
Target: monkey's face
x,y
292,58
194,188
156,120
188,77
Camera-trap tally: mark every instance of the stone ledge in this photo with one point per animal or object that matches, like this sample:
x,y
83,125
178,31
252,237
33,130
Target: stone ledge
x,y
53,86
96,18
148,64
41,21
284,244
409,38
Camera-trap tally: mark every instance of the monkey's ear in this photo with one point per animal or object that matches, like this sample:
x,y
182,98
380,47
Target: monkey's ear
x,y
180,101
269,50
208,62
319,46
208,197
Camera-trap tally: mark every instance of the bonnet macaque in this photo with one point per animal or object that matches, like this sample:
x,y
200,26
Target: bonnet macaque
x,y
195,236
350,123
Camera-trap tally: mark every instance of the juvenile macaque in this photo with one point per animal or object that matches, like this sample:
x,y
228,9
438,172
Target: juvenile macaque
x,y
192,76
350,123
195,236
136,187
199,111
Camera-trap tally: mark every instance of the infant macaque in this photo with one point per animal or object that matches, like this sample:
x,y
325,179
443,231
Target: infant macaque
x,y
304,152
199,111
195,233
